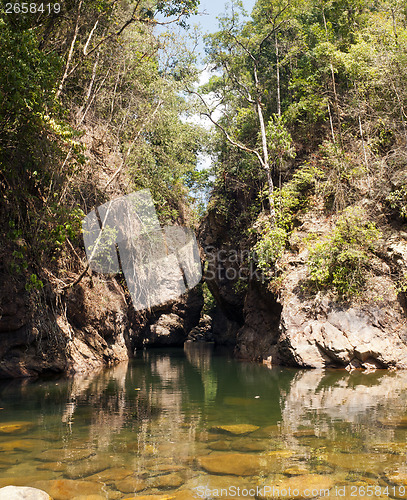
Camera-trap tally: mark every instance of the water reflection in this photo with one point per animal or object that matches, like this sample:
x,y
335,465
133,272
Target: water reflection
x,y
157,419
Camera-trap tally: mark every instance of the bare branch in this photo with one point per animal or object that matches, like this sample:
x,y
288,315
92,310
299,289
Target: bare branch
x,y
239,145
123,163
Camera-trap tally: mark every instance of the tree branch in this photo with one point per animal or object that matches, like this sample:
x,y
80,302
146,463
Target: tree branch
x,y
225,133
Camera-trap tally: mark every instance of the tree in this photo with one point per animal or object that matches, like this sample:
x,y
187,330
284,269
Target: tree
x,y
239,52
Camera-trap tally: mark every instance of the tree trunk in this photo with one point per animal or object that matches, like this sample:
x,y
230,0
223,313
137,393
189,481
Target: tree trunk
x,y
278,79
70,53
266,164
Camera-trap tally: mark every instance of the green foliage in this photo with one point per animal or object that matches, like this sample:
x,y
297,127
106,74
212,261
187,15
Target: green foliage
x,y
397,200
294,195
279,140
270,245
209,300
34,283
342,260
339,171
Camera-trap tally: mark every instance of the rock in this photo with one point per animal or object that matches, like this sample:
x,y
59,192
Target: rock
x,y
167,330
202,332
110,475
90,335
85,468
166,468
220,445
373,463
64,455
89,497
262,314
24,445
173,480
396,478
248,444
22,493
240,464
151,497
214,482
316,332
296,471
66,489
15,427
295,327
54,466
130,485
236,429
237,464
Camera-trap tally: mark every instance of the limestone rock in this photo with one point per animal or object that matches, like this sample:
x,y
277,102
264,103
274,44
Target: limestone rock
x,y
202,332
110,475
130,485
22,493
317,332
64,455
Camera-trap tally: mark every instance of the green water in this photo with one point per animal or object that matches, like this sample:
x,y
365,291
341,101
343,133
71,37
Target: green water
x,y
187,424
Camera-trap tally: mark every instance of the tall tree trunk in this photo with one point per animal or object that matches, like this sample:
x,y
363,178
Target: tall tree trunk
x,y
338,114
278,78
266,164
70,53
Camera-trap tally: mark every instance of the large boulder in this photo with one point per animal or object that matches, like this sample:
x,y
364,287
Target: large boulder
x,y
167,330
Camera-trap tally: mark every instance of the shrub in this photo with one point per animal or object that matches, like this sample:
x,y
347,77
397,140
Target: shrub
x,y
341,261
270,245
397,200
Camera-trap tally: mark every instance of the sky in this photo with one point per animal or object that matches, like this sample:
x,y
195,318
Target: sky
x,y
212,9
209,10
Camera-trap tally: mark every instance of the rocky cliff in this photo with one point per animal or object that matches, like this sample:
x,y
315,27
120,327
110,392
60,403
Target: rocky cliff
x,y
87,327
296,327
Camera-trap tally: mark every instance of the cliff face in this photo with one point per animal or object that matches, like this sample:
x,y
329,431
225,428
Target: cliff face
x,y
90,326
295,327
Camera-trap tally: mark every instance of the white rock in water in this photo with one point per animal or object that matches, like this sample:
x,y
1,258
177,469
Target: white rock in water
x,y
22,493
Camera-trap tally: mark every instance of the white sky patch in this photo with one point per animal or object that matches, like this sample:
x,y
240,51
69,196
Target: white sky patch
x,y
204,160
210,100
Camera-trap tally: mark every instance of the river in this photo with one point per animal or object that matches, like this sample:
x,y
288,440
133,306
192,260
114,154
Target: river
x,y
192,423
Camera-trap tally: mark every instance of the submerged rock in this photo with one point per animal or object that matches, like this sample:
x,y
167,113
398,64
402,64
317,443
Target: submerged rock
x,y
173,480
15,427
22,493
130,485
237,464
236,429
66,489
167,330
64,455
